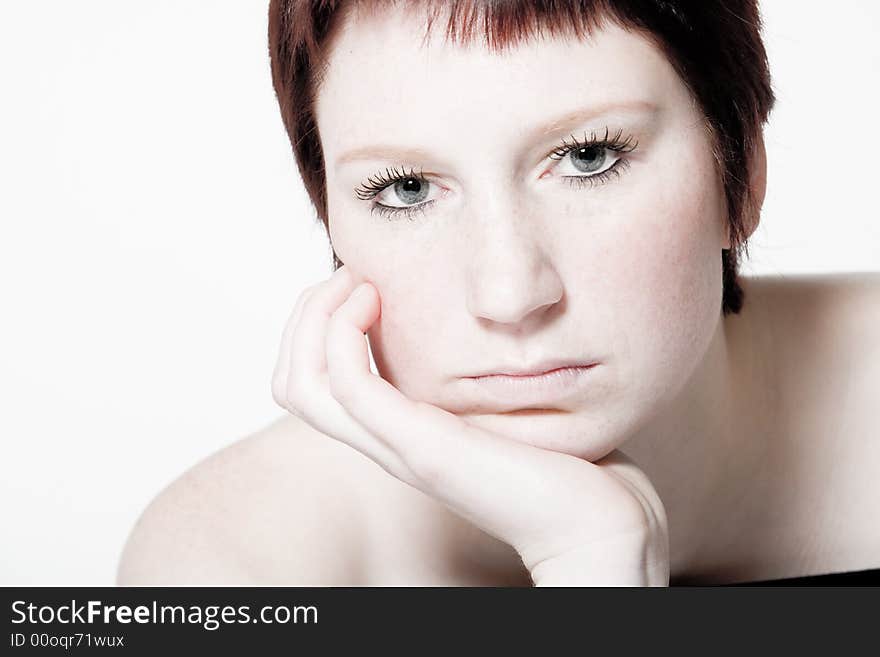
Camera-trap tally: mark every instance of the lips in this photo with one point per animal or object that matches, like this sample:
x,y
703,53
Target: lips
x,y
541,387
537,369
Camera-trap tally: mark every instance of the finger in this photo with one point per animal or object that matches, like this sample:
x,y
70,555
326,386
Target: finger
x,y
421,434
306,359
328,416
306,390
282,362
348,368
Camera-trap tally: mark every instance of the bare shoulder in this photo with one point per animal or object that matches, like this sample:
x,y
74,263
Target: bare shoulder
x,y
821,353
819,331
818,318
812,316
278,507
857,292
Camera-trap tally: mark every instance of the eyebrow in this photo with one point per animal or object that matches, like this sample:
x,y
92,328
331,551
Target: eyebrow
x,y
558,124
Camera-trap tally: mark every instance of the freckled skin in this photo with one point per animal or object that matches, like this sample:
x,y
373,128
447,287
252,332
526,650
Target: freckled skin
x,y
511,263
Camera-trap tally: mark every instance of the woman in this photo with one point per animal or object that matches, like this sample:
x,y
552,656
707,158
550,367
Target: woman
x,y
540,234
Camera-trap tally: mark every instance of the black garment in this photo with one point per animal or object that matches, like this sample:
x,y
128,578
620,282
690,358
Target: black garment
x,y
851,578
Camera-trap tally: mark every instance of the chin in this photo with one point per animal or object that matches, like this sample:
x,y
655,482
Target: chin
x,y
579,433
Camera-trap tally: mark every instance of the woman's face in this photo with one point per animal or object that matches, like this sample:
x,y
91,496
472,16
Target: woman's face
x,y
517,253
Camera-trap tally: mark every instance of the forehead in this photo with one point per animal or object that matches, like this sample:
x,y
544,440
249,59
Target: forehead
x,y
386,79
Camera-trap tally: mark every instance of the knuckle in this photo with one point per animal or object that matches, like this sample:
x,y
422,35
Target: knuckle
x,y
279,372
295,396
278,393
293,390
309,297
307,290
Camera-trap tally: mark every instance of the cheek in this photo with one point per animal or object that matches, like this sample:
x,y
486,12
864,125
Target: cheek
x,y
665,284
410,270
404,339
676,263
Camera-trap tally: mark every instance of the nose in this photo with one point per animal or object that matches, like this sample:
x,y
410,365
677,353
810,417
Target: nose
x,y
511,277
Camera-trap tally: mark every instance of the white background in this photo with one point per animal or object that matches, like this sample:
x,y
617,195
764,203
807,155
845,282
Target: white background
x,y
155,236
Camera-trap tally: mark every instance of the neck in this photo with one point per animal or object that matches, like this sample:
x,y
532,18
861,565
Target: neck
x,y
698,452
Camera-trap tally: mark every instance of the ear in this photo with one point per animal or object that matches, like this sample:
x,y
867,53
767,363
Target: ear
x,y
757,186
758,181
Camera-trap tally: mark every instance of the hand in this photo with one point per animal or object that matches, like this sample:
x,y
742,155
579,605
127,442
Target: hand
x,y
572,521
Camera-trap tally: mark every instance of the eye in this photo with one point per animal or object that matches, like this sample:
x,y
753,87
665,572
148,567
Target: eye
x,y
593,160
404,192
397,192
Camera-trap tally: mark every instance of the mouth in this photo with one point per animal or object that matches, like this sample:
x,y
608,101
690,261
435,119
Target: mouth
x,y
533,411
536,369
529,394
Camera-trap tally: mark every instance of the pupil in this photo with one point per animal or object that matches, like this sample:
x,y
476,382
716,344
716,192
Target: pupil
x,y
589,158
411,190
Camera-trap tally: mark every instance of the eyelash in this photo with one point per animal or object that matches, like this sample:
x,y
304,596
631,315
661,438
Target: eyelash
x,y
375,185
